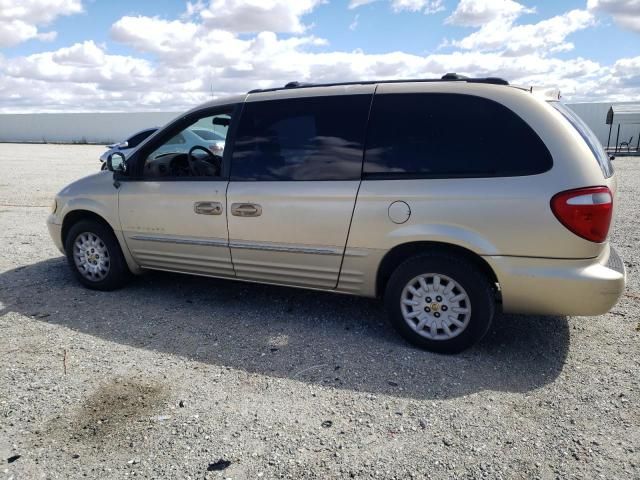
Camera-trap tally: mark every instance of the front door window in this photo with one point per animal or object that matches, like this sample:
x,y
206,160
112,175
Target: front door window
x,y
196,151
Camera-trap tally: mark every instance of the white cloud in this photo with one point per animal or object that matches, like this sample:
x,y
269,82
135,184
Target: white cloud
x,y
83,63
156,35
19,21
85,77
251,16
625,13
548,35
358,3
354,24
424,6
475,13
187,59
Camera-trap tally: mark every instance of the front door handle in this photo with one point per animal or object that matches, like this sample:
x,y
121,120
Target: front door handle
x,y
246,209
208,208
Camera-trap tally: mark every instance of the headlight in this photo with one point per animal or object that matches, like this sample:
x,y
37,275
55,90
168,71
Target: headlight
x,y
54,206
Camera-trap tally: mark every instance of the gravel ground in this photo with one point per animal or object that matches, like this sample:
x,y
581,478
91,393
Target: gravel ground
x,y
185,377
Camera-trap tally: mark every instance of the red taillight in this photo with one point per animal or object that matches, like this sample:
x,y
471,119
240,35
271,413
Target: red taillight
x,y
585,211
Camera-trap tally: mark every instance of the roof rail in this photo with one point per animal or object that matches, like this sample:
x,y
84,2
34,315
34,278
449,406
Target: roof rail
x,y
449,77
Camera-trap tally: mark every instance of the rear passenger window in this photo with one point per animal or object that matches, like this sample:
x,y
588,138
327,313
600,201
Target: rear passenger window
x,y
313,138
450,135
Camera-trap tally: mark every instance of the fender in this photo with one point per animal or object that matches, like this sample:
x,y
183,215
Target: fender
x,y
94,194
443,233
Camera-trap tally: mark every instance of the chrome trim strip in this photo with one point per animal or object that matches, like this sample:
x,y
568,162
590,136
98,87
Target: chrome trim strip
x,y
271,247
356,252
274,247
218,242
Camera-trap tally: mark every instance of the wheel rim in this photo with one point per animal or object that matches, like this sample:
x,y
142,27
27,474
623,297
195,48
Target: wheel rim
x,y
91,256
435,306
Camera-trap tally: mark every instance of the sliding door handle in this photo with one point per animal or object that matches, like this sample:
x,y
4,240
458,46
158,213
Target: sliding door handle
x,y
208,208
246,209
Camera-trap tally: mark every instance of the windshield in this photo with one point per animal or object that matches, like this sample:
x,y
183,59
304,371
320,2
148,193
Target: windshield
x,y
588,136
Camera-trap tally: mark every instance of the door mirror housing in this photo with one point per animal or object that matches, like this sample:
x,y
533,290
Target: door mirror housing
x,y
116,162
124,144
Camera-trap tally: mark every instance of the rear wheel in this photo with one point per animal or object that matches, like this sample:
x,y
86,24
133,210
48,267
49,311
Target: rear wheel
x,y
440,302
95,257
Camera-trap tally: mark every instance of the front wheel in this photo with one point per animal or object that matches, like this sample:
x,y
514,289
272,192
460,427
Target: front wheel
x,y
440,302
95,257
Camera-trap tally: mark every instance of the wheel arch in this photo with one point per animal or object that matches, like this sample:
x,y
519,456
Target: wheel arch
x,y
74,216
402,252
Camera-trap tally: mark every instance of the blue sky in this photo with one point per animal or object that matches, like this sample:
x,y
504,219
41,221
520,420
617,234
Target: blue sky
x,y
176,52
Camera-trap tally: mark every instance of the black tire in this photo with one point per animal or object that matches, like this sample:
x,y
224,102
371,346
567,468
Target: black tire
x,y
117,273
466,275
103,166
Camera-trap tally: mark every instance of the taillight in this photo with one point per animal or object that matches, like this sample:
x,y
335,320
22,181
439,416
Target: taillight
x,y
585,211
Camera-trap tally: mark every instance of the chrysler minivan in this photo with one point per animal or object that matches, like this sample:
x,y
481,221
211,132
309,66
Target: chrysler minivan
x,y
450,199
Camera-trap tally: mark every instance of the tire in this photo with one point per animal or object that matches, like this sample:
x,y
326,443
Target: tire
x,y
470,302
106,268
103,167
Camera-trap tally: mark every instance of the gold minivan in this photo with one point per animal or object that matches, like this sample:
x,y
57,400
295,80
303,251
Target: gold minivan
x,y
451,199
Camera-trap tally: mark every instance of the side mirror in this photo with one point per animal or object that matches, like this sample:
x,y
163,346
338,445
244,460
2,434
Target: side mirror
x,y
124,144
116,163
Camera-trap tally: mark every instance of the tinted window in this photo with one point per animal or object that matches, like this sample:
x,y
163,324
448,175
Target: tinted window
x,y
450,135
588,136
138,138
317,138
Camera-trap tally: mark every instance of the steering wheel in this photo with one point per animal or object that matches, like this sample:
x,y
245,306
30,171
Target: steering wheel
x,y
191,159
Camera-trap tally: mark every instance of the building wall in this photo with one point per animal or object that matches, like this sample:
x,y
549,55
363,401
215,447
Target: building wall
x,y
103,128
77,127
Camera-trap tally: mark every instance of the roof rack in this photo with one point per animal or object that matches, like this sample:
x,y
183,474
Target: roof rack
x,y
449,77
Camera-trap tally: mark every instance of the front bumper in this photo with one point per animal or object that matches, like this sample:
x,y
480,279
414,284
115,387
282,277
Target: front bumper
x,y
55,230
559,286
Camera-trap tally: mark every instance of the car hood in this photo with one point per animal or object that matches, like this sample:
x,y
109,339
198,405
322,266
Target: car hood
x,y
100,183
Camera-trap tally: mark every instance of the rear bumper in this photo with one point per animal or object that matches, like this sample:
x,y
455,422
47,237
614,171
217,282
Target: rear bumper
x,y
560,287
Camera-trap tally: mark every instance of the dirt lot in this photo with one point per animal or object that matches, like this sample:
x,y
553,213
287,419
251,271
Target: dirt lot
x,y
174,376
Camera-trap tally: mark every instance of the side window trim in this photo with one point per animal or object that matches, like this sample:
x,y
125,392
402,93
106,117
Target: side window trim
x,y
137,160
230,142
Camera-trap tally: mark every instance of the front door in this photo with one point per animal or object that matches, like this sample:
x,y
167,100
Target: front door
x,y
295,173
173,210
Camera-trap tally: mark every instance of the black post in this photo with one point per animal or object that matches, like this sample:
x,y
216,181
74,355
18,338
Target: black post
x,y
638,144
617,138
609,139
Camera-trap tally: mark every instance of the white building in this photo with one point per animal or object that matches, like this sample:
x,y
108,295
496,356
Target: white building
x,y
103,128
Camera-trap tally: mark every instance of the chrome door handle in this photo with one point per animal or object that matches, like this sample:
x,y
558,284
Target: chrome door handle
x,y
208,208
246,209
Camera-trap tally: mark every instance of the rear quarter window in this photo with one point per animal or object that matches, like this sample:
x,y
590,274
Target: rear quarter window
x,y
436,135
588,136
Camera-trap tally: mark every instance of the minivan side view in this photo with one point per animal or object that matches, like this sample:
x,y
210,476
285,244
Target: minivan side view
x,y
450,199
